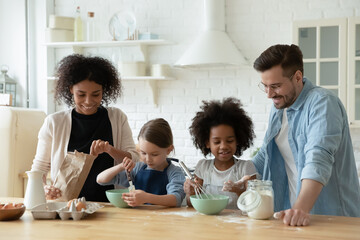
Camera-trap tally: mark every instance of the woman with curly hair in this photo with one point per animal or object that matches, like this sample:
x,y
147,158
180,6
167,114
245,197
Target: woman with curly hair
x,y
86,85
224,130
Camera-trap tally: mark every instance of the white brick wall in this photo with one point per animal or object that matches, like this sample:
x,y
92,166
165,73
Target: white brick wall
x,y
253,25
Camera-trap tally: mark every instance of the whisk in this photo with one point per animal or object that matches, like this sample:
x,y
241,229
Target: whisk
x,y
200,192
131,185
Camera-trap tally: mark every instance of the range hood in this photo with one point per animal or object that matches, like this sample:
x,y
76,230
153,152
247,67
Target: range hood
x,y
213,48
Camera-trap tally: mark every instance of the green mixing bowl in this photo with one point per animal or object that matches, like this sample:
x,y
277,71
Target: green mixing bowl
x,y
209,206
115,197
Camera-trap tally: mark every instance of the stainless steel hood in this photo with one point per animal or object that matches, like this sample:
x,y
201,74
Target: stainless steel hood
x,y
213,48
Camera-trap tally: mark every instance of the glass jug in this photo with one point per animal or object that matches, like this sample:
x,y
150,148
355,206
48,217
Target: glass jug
x,y
258,199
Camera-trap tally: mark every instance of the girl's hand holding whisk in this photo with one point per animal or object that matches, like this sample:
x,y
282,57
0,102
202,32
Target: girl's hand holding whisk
x,y
189,187
190,184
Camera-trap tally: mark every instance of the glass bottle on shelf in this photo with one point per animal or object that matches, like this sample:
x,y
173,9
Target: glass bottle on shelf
x,y
78,28
90,27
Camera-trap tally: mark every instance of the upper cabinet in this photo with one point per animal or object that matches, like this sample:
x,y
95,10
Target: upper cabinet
x,y
330,60
354,70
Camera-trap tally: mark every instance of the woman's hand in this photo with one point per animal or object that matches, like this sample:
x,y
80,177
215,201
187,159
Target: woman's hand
x,y
128,164
135,198
99,146
52,192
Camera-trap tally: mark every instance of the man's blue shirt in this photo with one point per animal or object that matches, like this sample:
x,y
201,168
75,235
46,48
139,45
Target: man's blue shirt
x,y
320,142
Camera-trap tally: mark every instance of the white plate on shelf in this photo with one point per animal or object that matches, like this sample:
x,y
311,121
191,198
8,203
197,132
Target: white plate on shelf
x,y
122,25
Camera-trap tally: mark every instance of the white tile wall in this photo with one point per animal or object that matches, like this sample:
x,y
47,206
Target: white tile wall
x,y
253,25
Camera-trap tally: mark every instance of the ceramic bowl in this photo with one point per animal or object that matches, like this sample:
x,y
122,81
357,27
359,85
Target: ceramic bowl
x,y
115,197
209,206
12,213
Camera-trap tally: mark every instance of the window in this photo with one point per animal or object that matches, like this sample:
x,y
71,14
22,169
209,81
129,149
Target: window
x,y
331,49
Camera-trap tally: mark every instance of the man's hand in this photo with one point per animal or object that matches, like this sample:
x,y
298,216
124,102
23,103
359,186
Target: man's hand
x,y
299,215
293,217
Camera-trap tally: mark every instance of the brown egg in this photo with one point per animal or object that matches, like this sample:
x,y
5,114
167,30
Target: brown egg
x,y
69,202
8,206
19,205
80,205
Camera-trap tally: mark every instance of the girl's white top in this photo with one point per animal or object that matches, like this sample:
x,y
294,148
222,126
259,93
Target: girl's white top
x,y
214,179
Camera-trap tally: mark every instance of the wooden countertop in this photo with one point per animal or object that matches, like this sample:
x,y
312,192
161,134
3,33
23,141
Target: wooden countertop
x,y
156,222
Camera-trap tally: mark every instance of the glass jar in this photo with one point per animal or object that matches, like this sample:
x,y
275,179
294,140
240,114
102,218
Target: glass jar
x,y
78,27
90,27
258,199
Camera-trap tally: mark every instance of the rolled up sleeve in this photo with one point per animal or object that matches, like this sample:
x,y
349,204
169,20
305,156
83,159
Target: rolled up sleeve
x,y
176,184
323,137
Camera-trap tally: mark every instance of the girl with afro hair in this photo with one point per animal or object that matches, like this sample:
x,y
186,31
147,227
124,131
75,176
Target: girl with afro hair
x,y
224,130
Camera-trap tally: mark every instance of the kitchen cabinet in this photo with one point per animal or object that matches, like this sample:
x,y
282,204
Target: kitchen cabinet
x,y
331,53
354,70
79,47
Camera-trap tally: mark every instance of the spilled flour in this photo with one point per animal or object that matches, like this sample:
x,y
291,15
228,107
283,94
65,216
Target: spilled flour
x,y
183,214
235,218
244,222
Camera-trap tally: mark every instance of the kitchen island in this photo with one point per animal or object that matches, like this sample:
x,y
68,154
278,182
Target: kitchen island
x,y
157,222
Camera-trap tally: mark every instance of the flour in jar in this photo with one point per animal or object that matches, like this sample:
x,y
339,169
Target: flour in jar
x,y
265,209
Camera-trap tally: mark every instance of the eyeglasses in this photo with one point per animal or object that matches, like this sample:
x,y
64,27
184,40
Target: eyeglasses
x,y
274,87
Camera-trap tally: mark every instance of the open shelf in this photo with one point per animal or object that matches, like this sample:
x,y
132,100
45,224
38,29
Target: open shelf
x,y
128,78
107,43
78,47
151,81
134,78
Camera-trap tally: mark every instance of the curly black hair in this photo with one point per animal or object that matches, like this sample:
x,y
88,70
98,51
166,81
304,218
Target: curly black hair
x,y
76,68
228,112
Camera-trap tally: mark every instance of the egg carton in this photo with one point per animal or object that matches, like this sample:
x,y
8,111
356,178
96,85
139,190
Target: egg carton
x,y
47,210
66,214
53,210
